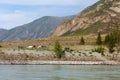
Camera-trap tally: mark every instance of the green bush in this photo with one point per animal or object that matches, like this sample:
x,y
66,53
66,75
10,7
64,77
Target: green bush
x,y
58,49
99,50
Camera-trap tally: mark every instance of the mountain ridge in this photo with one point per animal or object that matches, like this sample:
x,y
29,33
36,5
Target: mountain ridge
x,y
39,28
97,17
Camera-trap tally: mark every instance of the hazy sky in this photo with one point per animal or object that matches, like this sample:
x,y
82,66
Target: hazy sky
x,y
18,12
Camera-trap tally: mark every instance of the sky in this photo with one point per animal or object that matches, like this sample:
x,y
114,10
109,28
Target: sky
x,y
18,12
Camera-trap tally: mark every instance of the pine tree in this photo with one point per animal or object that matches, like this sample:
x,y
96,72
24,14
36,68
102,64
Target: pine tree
x,y
58,49
110,41
107,38
82,41
99,40
117,36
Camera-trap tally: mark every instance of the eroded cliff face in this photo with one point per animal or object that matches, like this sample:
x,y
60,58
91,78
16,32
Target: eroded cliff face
x,y
103,11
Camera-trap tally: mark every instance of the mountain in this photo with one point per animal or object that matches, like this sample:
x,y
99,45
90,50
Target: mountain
x,y
96,18
40,28
2,33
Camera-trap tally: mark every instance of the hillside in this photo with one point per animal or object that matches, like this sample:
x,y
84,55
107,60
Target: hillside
x,y
40,28
96,18
67,41
2,33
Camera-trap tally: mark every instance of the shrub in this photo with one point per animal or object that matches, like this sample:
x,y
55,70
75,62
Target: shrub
x,y
79,54
67,49
85,54
90,52
99,50
58,49
0,46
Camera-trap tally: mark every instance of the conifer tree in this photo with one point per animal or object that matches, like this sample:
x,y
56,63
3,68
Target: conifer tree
x,y
112,40
117,36
107,38
82,41
99,40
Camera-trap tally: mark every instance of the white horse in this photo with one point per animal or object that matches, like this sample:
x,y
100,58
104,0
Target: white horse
x,y
30,47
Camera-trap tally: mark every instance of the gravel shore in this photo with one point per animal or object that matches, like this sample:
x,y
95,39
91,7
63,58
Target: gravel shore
x,y
59,63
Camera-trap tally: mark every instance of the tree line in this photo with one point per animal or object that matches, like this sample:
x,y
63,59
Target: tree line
x,y
111,41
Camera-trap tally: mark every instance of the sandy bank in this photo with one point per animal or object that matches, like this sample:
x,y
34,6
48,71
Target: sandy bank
x,y
59,63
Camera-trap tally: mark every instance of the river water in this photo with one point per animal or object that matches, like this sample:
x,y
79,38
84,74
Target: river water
x,y
59,72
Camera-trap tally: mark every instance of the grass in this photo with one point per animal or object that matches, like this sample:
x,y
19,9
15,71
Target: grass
x,y
66,42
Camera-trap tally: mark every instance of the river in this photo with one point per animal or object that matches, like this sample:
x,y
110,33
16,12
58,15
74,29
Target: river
x,y
59,72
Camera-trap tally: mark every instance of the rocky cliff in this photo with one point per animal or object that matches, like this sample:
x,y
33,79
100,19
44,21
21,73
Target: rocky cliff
x,y
96,18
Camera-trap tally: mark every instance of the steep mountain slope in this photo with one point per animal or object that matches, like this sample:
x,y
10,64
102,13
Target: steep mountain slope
x,y
39,28
2,33
96,18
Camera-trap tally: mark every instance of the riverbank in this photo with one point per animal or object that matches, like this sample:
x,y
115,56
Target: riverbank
x,y
59,63
46,57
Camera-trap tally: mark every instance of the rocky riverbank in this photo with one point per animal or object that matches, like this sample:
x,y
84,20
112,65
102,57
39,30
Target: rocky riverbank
x,y
45,57
59,63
